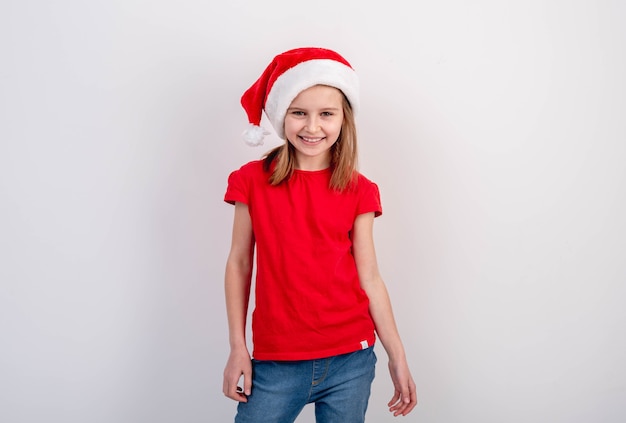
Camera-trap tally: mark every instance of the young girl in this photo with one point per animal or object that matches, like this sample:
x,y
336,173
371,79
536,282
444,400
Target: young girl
x,y
308,214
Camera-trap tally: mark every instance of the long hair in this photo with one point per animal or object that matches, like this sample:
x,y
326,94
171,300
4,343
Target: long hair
x,y
343,155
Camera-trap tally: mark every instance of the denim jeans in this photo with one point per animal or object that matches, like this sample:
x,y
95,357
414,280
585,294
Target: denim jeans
x,y
339,386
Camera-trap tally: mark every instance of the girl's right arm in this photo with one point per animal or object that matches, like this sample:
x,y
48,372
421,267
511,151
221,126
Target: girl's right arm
x,y
237,288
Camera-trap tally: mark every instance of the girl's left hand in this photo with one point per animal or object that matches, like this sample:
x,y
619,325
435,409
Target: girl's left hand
x,y
405,396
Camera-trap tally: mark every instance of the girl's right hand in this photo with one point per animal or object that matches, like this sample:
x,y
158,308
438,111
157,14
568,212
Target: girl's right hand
x,y
238,364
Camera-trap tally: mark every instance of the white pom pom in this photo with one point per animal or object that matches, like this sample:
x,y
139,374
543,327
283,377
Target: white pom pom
x,y
254,135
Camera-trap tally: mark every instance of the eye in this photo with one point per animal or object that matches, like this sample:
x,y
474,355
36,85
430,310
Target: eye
x,y
327,113
297,113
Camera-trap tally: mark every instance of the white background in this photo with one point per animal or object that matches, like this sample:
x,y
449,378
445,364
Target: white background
x,y
496,131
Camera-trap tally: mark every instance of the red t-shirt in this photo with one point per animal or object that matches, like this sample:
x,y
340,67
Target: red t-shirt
x,y
309,303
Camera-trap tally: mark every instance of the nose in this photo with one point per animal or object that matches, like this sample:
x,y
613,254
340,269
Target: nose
x,y
312,123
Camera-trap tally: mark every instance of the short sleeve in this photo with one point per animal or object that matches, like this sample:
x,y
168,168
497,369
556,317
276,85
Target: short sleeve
x,y
369,198
237,188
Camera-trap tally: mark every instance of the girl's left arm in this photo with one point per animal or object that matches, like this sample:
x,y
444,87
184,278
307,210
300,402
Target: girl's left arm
x,y
405,395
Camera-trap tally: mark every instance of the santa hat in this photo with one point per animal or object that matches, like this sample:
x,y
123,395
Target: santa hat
x,y
289,74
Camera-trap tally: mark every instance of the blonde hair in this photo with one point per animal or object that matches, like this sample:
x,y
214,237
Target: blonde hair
x,y
343,155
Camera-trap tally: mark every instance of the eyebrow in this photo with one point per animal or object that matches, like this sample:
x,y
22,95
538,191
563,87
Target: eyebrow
x,y
323,108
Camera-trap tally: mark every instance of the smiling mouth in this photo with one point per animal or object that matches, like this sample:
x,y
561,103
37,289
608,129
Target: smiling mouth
x,y
310,140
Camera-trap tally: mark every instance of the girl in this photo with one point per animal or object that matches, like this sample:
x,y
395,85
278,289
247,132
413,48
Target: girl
x,y
308,214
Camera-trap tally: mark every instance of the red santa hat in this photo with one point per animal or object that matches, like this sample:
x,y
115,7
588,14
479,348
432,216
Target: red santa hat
x,y
285,77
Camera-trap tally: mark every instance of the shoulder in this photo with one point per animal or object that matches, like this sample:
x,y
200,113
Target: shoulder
x,y
243,181
250,171
363,179
364,183
252,167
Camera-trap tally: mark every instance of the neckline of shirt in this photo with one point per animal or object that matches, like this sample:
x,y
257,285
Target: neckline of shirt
x,y
312,172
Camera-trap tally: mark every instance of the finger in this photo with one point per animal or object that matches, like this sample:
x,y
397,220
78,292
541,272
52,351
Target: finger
x,y
408,403
394,399
398,408
232,391
247,382
403,400
226,386
396,403
413,400
237,395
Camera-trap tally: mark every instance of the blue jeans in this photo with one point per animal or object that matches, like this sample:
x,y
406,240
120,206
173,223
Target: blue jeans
x,y
339,386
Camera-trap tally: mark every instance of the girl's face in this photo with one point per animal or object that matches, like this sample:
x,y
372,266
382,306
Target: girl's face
x,y
313,124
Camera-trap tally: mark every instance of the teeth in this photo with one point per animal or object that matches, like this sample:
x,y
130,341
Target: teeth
x,y
311,139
